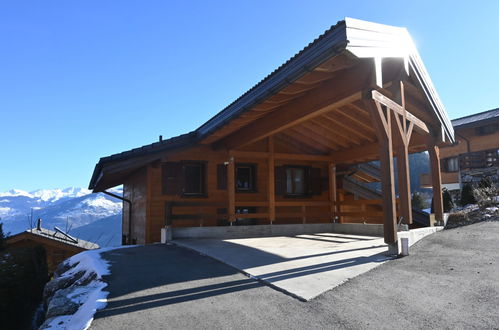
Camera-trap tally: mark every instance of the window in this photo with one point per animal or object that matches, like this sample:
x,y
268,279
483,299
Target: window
x,y
245,178
451,164
296,181
194,179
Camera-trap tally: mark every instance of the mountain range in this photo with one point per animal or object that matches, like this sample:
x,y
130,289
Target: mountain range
x,y
88,216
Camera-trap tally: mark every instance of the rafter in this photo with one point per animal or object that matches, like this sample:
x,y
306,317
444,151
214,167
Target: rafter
x,y
316,102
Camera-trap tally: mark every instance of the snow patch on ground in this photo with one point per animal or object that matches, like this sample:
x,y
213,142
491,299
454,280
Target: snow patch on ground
x,y
92,297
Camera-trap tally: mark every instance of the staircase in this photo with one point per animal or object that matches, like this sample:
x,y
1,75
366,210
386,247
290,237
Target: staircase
x,y
353,184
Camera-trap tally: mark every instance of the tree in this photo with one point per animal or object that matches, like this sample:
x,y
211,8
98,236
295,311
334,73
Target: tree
x,y
447,200
3,238
417,201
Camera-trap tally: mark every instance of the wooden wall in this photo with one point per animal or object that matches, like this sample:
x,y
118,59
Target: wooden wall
x,y
135,189
477,143
216,200
56,251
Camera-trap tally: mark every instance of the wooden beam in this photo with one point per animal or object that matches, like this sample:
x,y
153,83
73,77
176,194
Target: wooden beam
x,y
343,89
404,181
231,189
341,139
420,125
366,151
348,127
436,180
277,155
289,140
382,124
271,182
332,189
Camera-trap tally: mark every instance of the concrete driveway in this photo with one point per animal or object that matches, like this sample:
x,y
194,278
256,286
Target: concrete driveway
x,y
303,266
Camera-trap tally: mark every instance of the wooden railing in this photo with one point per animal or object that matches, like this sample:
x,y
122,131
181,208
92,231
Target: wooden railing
x,y
361,210
215,213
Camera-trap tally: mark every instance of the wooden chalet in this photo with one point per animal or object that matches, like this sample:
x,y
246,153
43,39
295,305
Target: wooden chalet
x,y
474,156
279,154
58,245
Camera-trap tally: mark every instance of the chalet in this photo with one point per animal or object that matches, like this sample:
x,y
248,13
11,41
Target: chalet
x,y
58,245
279,154
475,154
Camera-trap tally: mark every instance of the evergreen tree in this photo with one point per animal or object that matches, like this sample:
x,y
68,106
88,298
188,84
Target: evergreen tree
x,y
3,238
467,196
417,201
447,200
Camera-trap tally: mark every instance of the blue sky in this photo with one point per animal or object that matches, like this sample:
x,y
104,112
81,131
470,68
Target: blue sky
x,y
84,79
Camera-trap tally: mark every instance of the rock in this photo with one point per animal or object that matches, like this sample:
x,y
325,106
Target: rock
x,y
59,283
60,304
62,268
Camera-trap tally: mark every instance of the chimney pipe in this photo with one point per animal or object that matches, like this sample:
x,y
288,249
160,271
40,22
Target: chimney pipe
x,y
39,224
160,138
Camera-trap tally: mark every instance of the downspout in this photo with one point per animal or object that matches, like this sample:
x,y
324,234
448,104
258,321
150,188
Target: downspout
x,y
129,213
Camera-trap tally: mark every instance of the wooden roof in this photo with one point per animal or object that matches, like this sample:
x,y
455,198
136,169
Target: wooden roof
x,y
48,236
476,119
314,103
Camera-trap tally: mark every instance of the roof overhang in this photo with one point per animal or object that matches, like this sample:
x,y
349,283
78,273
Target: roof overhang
x,y
351,44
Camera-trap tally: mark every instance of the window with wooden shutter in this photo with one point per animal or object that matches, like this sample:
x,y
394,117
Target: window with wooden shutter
x,y
280,180
221,176
193,179
297,181
315,181
246,177
171,177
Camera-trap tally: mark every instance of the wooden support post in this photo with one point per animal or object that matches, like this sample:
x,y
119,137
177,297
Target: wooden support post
x,y
231,189
402,136
436,180
332,190
271,182
404,182
383,125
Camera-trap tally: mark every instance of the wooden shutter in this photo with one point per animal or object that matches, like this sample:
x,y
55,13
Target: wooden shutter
x,y
315,181
171,178
221,176
280,180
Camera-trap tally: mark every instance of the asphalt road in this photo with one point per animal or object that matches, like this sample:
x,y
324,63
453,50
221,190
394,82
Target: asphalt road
x,y
450,281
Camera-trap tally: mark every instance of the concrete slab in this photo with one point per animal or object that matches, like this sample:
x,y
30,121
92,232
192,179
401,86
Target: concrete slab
x,y
303,265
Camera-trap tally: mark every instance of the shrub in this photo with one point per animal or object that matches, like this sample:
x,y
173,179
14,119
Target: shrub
x,y
467,196
486,196
446,201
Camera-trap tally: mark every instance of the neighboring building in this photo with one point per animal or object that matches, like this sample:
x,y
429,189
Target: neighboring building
x,y
279,154
58,245
474,156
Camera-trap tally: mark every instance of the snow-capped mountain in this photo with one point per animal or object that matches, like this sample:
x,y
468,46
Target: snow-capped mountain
x,y
93,217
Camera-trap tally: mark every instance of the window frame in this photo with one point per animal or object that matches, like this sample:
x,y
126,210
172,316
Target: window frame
x,y
306,181
253,178
202,183
447,162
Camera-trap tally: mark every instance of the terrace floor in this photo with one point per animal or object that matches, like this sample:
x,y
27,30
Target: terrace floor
x,y
303,266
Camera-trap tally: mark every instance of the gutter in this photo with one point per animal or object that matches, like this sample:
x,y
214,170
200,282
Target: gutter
x,y
129,240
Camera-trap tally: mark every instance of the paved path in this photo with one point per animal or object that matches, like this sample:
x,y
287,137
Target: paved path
x,y
304,265
450,281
